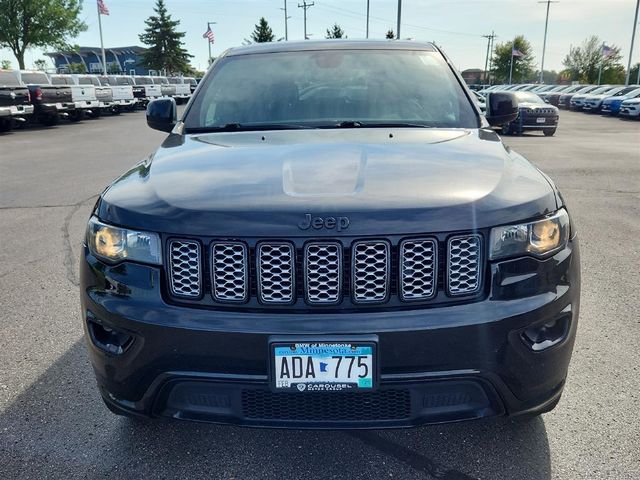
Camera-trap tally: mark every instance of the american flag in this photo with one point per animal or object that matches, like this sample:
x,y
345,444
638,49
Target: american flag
x,y
516,53
209,34
607,51
102,8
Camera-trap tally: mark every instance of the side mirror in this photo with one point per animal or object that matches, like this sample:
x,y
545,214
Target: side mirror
x,y
502,107
162,114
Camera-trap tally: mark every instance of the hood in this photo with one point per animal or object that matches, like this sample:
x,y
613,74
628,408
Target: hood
x,y
385,181
536,106
631,101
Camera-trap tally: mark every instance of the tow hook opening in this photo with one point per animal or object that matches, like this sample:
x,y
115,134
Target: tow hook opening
x,y
107,339
543,336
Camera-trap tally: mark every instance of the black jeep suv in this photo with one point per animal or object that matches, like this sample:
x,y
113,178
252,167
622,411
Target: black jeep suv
x,y
331,237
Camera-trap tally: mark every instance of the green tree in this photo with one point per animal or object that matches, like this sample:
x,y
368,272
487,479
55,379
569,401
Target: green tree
x,y
26,24
633,76
522,66
5,64
113,68
390,35
40,64
583,63
335,32
262,32
77,68
165,43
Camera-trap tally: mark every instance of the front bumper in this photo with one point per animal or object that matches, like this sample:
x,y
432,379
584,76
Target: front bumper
x,y
441,364
633,111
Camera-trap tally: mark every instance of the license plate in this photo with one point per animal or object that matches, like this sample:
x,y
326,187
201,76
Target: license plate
x,y
323,366
540,120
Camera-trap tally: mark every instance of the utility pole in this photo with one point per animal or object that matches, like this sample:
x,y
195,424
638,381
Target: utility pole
x,y
486,61
633,36
399,17
367,18
493,36
305,6
286,21
544,42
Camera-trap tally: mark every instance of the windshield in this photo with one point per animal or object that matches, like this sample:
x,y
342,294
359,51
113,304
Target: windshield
x,y
61,81
528,97
332,87
144,81
9,79
600,90
624,91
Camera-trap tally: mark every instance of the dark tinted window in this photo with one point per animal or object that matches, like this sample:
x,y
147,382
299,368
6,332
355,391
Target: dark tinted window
x,y
61,81
124,81
88,81
34,79
159,80
9,79
322,88
174,80
144,81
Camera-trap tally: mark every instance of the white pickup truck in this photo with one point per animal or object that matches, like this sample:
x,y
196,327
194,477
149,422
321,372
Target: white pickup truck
x,y
183,89
83,96
146,90
122,91
104,94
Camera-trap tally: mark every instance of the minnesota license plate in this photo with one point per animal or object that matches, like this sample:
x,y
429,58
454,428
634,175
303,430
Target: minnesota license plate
x,y
323,366
540,120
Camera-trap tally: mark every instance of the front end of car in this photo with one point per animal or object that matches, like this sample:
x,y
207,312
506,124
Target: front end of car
x,y
465,314
630,108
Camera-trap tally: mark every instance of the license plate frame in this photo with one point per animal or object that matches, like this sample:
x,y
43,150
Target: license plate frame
x,y
328,383
541,120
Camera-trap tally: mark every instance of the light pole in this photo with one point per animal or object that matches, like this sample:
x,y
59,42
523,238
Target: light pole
x,y
399,17
367,18
544,42
286,21
633,36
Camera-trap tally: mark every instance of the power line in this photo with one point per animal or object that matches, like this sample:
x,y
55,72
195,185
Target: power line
x,y
306,6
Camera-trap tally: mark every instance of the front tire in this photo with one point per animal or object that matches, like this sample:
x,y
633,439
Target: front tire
x,y
5,124
76,115
549,133
50,120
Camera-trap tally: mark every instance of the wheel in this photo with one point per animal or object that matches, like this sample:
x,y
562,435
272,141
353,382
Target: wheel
x,y
550,132
115,110
5,124
76,115
506,129
50,119
95,113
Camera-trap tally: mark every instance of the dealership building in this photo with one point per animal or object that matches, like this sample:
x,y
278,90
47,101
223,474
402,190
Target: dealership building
x,y
119,60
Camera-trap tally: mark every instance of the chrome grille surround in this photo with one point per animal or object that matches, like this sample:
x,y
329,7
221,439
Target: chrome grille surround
x,y
418,269
323,273
185,272
370,265
464,264
276,272
229,272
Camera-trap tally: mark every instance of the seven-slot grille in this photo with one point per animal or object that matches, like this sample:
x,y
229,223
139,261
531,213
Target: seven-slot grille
x,y
367,271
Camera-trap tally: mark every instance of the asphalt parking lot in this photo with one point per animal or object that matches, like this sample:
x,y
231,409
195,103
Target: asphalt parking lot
x,y
53,423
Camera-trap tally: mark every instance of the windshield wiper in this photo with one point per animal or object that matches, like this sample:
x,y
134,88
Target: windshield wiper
x,y
249,127
358,124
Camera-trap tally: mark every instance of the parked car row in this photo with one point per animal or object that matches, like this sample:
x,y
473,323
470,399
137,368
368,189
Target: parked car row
x,y
36,97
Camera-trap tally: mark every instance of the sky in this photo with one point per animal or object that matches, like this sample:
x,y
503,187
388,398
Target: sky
x,y
455,25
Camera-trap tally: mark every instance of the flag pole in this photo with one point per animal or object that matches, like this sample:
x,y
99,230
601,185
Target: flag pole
x,y
104,58
511,65
209,42
601,62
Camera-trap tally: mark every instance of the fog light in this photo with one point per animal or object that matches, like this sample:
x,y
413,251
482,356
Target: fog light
x,y
541,337
107,339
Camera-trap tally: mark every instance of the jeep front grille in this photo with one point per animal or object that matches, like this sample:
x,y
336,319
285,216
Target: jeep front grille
x,y
324,273
418,269
276,272
184,263
464,264
229,271
370,271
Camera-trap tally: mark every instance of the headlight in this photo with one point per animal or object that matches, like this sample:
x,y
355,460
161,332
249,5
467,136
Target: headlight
x,y
539,238
115,243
